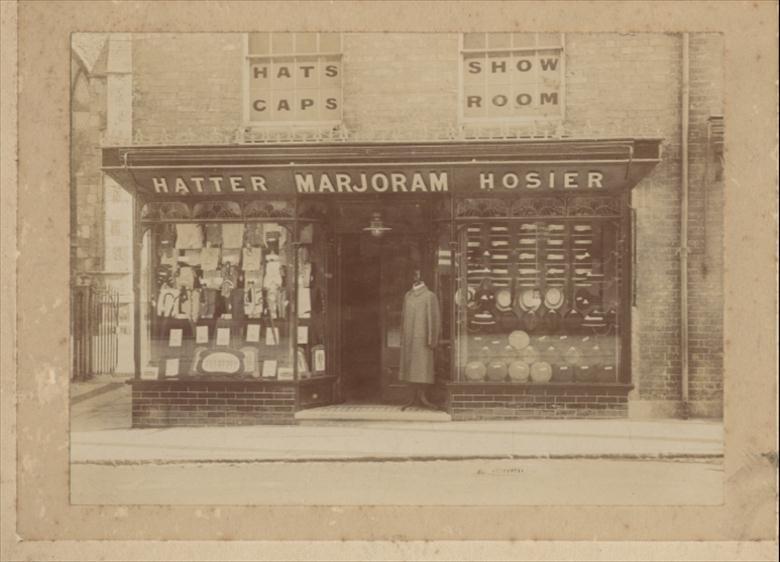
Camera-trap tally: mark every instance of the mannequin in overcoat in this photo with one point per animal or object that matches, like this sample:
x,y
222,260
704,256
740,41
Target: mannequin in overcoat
x,y
420,329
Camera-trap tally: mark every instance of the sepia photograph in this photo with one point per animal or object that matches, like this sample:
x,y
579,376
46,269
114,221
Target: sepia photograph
x,y
475,268
388,280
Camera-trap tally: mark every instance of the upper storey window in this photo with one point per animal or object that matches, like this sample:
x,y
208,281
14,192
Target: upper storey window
x,y
512,76
293,78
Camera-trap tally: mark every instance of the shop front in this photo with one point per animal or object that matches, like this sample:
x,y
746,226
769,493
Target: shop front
x,y
270,279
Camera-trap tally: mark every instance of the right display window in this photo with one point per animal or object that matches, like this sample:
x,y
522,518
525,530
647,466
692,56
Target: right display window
x,y
538,301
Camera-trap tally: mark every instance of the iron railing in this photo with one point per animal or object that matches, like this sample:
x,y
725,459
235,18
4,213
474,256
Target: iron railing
x,y
95,331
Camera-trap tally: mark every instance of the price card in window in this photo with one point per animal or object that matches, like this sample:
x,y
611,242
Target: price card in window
x,y
271,336
223,336
175,338
269,369
303,334
253,333
202,334
171,367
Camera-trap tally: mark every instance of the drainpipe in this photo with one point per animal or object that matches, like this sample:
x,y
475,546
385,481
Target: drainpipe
x,y
685,102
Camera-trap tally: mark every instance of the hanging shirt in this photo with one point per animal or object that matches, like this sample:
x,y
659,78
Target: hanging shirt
x,y
251,259
232,235
214,234
209,258
189,237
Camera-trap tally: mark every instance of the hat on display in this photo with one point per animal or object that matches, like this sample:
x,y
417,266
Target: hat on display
x,y
572,356
475,371
541,371
519,339
469,297
519,371
507,321
496,370
572,319
553,298
551,321
530,300
504,300
530,355
563,373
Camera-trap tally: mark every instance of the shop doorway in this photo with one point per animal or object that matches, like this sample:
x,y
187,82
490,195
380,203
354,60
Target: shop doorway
x,y
375,276
360,318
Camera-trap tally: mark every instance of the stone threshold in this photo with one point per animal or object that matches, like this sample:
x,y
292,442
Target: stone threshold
x,y
370,412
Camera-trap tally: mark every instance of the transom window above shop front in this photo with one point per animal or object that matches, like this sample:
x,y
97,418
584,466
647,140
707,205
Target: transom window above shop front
x,y
512,76
293,78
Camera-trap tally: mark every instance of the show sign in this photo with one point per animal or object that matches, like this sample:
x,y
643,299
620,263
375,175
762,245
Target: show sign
x,y
462,179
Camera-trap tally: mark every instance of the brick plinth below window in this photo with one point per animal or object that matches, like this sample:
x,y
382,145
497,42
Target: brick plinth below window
x,y
474,401
216,403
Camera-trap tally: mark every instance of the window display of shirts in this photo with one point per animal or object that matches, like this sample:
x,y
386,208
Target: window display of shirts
x,y
304,302
273,272
232,235
254,277
231,256
168,257
253,301
190,257
209,258
194,297
208,303
251,259
189,237
166,301
214,234
167,234
254,235
212,279
304,275
185,278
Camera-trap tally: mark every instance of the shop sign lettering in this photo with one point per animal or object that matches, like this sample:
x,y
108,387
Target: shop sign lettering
x,y
378,182
328,182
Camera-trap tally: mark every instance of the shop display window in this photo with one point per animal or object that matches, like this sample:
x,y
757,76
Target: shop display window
x,y
538,301
223,300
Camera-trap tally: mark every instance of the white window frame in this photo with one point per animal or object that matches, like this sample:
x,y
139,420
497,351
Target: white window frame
x,y
463,120
245,119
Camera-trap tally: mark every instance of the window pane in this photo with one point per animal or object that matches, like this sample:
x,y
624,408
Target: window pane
x,y
474,101
281,43
283,105
549,39
474,69
305,42
330,72
499,68
523,39
474,41
307,73
259,43
330,43
330,105
499,40
557,317
283,74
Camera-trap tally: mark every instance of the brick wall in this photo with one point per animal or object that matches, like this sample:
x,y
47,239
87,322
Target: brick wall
x,y
391,79
508,402
186,82
183,403
705,233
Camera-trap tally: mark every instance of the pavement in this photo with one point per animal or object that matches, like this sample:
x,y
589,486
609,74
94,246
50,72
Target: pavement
x,y
101,434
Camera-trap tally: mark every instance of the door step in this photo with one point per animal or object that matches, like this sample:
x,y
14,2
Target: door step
x,y
368,413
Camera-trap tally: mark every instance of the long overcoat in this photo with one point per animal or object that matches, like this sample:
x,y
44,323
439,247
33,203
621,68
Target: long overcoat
x,y
420,328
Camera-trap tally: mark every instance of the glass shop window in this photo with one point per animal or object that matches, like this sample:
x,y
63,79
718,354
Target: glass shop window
x,y
512,76
311,289
219,301
538,301
294,78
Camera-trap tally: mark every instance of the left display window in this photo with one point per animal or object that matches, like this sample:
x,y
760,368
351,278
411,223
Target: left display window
x,y
217,300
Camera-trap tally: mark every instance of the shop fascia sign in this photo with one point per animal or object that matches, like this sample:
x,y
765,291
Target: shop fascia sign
x,y
412,180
